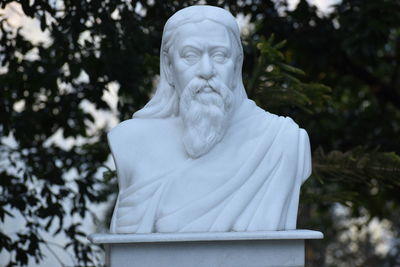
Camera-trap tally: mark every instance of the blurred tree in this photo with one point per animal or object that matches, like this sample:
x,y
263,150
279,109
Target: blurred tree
x,y
354,126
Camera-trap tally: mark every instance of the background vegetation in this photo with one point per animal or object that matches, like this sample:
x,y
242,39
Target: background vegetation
x,y
337,74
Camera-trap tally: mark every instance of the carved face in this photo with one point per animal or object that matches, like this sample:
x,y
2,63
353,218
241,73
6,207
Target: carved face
x,y
201,50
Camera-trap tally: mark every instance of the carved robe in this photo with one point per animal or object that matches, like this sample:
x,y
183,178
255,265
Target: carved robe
x,y
250,181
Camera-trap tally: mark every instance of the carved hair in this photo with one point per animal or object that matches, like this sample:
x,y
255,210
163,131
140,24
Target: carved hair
x,y
165,102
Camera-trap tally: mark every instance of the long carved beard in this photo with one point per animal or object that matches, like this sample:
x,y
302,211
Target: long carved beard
x,y
205,108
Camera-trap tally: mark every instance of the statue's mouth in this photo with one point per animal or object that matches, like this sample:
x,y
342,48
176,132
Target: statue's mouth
x,y
207,90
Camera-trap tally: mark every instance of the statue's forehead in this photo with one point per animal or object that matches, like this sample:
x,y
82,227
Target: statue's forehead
x,y
205,31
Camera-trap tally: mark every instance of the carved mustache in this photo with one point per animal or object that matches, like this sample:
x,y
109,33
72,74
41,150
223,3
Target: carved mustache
x,y
209,86
206,88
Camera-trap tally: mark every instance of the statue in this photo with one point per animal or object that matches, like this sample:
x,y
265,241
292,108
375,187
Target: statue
x,y
201,156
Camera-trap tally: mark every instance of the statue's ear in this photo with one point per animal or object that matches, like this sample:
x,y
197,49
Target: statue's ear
x,y
167,68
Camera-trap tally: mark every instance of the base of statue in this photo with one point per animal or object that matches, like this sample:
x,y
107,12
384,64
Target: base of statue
x,y
267,249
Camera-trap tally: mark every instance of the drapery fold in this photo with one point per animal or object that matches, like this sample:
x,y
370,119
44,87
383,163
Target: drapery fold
x,y
250,181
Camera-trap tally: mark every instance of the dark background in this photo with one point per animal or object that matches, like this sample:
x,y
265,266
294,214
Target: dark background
x,y
337,74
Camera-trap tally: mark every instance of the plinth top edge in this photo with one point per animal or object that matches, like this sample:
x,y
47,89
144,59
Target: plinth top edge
x,y
105,238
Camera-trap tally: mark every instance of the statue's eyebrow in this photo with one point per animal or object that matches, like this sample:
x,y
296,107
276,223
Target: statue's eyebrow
x,y
185,48
195,45
223,48
189,44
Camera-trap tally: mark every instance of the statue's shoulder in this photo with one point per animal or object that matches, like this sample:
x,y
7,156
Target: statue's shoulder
x,y
294,127
139,134
145,146
294,144
301,149
130,129
131,134
284,126
287,127
287,123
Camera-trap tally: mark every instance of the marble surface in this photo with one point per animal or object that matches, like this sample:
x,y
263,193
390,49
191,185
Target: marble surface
x,y
250,249
104,238
201,156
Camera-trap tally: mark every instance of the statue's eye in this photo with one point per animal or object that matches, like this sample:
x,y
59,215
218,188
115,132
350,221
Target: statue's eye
x,y
219,57
190,57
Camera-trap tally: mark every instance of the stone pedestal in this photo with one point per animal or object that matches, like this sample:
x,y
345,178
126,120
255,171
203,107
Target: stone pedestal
x,y
241,249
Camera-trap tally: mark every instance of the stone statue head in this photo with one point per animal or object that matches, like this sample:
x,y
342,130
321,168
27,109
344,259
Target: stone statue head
x,y
201,62
165,101
200,75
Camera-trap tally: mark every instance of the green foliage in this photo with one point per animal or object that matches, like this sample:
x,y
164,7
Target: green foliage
x,y
356,178
336,74
276,84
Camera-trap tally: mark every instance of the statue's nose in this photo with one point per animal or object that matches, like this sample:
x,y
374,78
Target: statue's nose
x,y
206,68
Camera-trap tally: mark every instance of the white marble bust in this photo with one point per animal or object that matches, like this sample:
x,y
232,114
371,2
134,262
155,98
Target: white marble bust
x,y
201,156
